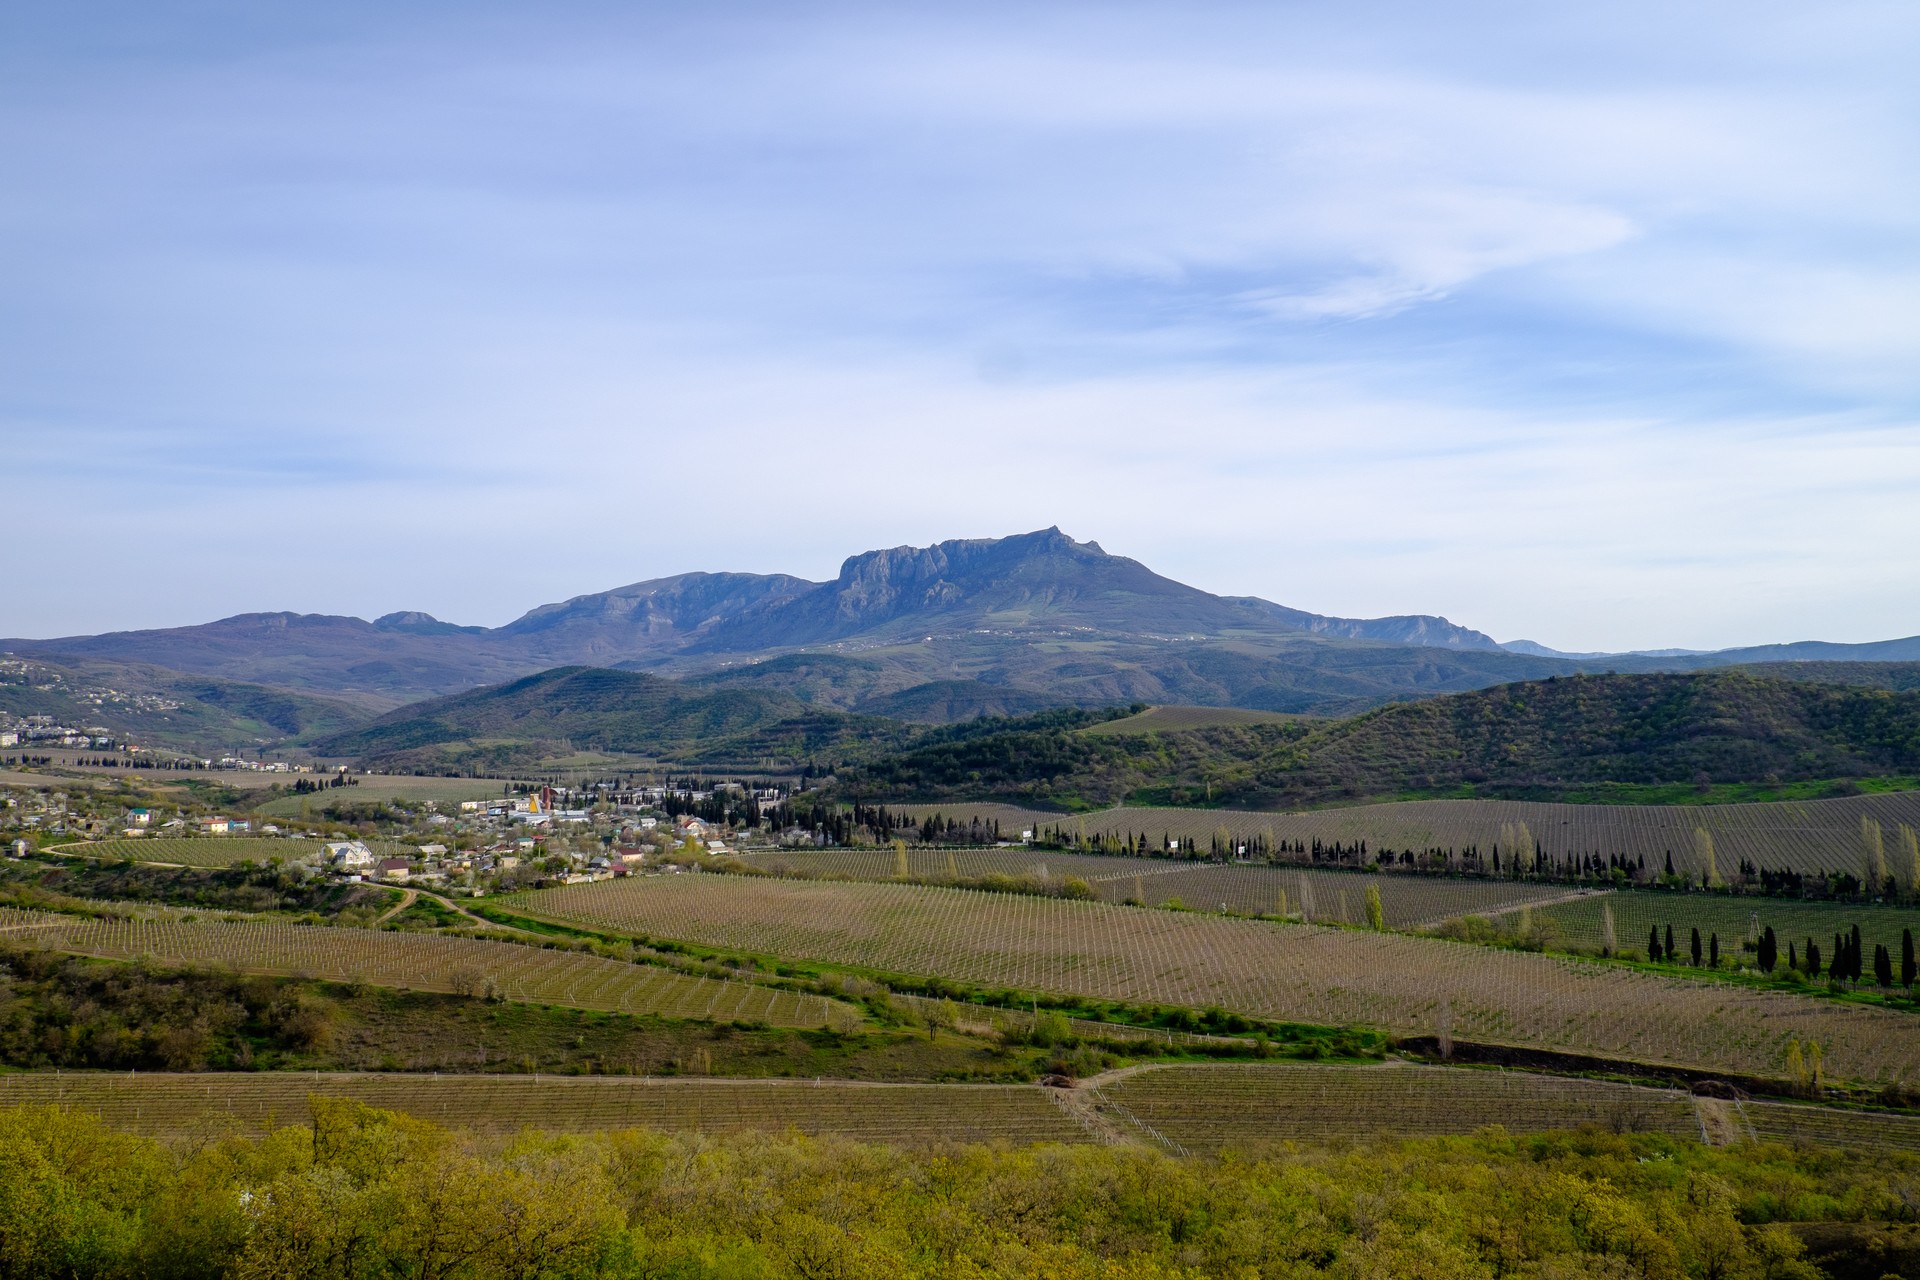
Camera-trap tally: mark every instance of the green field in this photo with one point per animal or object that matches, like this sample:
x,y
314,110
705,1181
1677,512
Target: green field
x,y
1322,976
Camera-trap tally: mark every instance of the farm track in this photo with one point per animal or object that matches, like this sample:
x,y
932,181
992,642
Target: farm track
x,y
1328,977
407,898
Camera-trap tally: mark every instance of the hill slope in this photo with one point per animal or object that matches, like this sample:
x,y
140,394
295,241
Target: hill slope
x,y
596,709
1539,738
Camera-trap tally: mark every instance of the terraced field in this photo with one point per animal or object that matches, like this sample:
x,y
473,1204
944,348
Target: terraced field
x,y
1808,836
1205,1108
1734,919
1331,977
253,1103
424,962
1243,888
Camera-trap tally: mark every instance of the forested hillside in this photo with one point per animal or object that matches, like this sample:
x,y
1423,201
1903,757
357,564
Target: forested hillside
x,y
1540,738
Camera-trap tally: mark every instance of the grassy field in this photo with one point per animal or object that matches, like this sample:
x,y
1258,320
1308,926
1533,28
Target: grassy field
x,y
255,1103
1182,719
423,962
1246,889
1734,919
1328,977
1210,1107
1807,836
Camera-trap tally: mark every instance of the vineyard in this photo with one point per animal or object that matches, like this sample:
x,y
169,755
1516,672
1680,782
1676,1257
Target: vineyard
x,y
1329,977
253,1103
1734,919
1176,1108
425,962
201,851
1825,1127
1807,836
1243,888
1209,1107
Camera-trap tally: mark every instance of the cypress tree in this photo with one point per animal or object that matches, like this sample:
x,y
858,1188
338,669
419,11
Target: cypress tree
x,y
1813,958
1653,943
1907,971
1793,956
1713,952
1695,949
1858,953
1882,964
1671,953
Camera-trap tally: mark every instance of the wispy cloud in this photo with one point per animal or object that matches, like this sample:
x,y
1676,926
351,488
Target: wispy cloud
x,y
1366,309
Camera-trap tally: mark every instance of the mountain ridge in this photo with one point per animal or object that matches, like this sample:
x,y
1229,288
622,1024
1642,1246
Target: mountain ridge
x,y
1048,619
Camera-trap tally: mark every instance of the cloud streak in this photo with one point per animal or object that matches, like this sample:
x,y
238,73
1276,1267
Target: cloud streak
x,y
1368,311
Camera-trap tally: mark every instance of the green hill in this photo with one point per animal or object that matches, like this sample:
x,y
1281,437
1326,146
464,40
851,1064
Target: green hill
x,y
573,709
1544,739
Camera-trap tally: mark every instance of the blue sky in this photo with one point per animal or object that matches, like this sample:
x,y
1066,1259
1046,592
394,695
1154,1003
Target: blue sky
x,y
1598,328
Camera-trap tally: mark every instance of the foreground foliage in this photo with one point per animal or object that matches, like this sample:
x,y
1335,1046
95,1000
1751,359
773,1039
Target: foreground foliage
x,y
365,1193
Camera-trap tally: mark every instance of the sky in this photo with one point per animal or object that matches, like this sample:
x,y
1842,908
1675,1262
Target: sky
x,y
1593,325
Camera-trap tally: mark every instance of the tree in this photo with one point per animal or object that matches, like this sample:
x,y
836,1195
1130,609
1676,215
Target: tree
x,y
1907,968
1653,943
1769,950
1695,948
1376,914
1882,964
1671,952
1713,952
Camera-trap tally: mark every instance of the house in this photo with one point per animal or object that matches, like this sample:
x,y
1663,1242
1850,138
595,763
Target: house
x,y
214,826
690,827
139,817
393,869
630,854
347,855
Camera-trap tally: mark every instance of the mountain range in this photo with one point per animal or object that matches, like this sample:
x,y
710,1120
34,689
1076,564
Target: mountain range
x,y
930,634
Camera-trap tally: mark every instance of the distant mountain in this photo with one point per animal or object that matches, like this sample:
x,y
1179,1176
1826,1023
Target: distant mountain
x,y
1039,617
